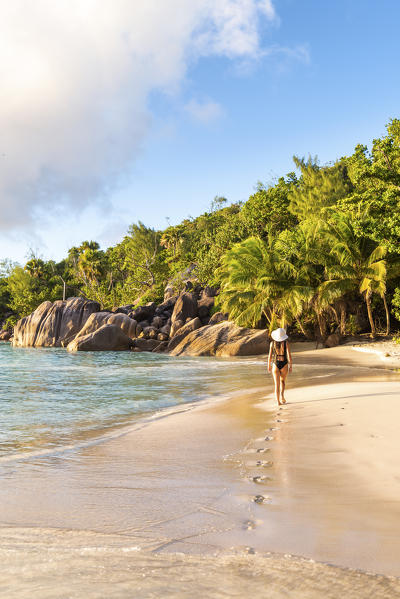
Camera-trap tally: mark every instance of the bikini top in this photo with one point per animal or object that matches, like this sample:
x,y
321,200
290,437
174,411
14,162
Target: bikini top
x,y
278,354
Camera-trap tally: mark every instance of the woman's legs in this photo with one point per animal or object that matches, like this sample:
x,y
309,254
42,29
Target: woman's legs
x,y
277,381
283,374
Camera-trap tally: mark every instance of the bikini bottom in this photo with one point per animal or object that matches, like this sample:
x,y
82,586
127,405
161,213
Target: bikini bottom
x,y
281,364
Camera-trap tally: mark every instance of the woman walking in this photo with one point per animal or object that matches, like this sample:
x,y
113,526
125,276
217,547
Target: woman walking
x,y
280,360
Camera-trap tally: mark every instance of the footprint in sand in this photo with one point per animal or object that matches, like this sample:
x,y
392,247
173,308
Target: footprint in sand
x,y
262,464
261,499
260,479
257,450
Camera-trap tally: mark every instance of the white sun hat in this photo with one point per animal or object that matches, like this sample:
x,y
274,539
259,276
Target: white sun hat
x,y
279,335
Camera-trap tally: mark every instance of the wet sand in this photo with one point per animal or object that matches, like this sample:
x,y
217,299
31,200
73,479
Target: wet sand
x,y
236,491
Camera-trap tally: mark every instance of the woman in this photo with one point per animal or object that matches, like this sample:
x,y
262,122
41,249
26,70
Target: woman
x,y
280,359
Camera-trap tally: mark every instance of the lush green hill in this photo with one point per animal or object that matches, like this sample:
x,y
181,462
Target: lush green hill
x,y
317,250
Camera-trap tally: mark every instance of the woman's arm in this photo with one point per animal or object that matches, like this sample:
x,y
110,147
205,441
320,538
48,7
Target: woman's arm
x,y
289,356
270,356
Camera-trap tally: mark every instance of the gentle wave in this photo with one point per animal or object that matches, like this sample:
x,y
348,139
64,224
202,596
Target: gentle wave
x,y
53,401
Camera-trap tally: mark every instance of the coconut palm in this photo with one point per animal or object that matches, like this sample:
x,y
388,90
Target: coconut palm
x,y
353,264
257,280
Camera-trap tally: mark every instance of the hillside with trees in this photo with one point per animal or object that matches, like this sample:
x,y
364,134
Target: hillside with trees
x,y
318,250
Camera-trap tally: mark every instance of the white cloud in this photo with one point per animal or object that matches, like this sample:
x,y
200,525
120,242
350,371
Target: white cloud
x,y
205,112
75,79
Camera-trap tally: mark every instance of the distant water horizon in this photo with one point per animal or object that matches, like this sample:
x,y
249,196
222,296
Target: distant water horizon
x,y
51,398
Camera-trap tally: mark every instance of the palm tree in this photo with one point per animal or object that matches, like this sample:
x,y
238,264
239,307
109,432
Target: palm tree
x,y
257,280
353,264
35,267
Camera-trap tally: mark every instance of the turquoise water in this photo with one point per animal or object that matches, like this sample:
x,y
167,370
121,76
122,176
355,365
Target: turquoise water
x,y
50,398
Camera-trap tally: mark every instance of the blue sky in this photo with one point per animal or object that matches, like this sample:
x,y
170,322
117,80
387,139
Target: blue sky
x,y
309,77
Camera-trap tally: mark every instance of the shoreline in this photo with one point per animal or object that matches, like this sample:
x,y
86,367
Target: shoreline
x,y
184,483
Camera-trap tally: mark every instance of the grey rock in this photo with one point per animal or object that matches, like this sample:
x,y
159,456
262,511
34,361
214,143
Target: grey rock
x,y
146,344
204,306
223,339
157,322
98,319
150,332
187,328
123,309
166,329
175,327
185,307
52,324
161,348
162,337
108,337
332,340
218,317
145,312
168,292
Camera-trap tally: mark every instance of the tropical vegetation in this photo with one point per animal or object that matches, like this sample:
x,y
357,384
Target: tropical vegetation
x,y
317,250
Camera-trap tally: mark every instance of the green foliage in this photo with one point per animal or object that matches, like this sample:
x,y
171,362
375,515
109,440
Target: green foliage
x,y
352,326
257,281
319,249
375,178
90,272
267,209
137,264
27,291
396,303
318,189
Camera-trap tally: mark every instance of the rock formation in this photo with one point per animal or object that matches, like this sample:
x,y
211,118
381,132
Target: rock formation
x,y
98,319
52,324
180,325
218,317
5,335
183,331
185,308
223,339
108,337
332,340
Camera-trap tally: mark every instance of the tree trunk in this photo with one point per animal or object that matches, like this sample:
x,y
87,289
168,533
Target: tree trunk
x,y
302,328
370,317
343,319
322,325
387,315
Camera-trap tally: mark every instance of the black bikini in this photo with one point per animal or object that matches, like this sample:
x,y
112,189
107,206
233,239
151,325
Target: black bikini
x,y
280,358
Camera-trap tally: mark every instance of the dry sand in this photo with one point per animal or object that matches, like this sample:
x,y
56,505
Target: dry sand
x,y
237,487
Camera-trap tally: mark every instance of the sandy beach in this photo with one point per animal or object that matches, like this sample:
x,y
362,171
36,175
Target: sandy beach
x,y
235,496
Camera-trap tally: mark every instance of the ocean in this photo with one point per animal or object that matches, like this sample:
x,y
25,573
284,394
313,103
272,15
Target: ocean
x,y
50,398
